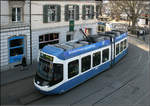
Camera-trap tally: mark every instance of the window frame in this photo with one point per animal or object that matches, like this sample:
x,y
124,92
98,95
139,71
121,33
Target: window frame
x,y
121,46
49,41
93,58
49,14
116,49
78,62
82,71
71,12
108,54
16,14
18,56
89,12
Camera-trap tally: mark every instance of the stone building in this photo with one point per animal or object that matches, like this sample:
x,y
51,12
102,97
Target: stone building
x,y
28,25
15,33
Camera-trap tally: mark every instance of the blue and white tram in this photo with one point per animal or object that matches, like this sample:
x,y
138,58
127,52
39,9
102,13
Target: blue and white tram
x,y
64,66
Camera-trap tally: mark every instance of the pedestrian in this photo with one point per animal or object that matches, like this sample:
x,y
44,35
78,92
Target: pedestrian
x,y
138,33
144,37
24,64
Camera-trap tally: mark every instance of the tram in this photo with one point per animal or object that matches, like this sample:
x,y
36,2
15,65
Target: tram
x,y
64,66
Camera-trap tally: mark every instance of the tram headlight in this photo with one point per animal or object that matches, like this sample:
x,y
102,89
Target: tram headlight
x,y
46,86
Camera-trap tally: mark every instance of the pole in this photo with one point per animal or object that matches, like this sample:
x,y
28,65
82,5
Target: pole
x,y
30,36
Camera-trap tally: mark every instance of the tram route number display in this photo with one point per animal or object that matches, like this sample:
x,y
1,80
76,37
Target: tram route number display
x,y
46,57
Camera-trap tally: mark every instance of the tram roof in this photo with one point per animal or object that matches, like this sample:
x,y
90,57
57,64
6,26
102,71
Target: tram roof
x,y
74,48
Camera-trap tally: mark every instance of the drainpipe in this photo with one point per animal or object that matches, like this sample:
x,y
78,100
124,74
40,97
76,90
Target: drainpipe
x,y
30,36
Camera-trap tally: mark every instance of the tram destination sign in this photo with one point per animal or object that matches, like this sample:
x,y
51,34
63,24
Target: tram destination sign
x,y
46,57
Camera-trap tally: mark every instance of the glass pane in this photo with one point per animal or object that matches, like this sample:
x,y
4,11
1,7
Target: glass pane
x,y
121,46
73,68
13,14
96,58
18,14
68,38
117,49
41,39
16,51
58,73
86,63
46,37
105,55
16,42
125,43
45,70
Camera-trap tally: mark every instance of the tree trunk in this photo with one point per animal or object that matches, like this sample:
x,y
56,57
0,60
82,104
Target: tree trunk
x,y
134,22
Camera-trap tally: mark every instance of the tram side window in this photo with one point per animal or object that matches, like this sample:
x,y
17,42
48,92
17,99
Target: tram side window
x,y
86,63
117,49
121,46
73,68
96,58
58,73
105,55
125,43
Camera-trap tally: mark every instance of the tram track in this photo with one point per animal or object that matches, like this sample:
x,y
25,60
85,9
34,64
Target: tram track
x,y
125,83
34,96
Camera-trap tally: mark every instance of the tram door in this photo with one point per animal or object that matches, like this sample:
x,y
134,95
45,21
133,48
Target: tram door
x,y
112,50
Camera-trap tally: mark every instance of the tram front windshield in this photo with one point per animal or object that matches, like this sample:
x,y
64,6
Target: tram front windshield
x,y
45,69
50,73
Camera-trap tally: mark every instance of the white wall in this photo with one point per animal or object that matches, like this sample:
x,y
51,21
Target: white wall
x,y
4,12
37,8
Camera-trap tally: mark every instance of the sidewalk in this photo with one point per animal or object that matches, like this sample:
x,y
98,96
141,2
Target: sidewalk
x,y
15,74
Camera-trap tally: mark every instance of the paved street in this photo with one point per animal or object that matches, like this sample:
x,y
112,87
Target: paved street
x,y
127,83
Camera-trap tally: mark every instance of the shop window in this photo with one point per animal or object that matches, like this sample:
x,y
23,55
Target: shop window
x,y
105,55
16,49
86,63
73,68
96,58
52,38
16,42
117,49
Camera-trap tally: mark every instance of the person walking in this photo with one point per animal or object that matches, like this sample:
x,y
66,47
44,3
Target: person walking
x,y
24,64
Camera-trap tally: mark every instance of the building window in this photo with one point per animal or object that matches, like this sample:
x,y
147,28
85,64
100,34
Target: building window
x,y
117,49
98,11
96,58
73,68
105,55
88,31
16,14
51,13
68,37
87,12
71,12
16,49
86,63
46,39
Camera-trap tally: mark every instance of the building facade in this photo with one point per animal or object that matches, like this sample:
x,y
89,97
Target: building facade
x,y
15,33
27,26
52,20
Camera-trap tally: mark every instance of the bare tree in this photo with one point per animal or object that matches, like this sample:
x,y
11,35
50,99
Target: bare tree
x,y
132,8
